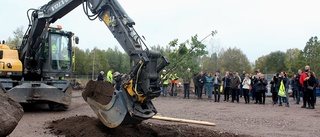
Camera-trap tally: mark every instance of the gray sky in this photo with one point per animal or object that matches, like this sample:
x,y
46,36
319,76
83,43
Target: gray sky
x,y
257,27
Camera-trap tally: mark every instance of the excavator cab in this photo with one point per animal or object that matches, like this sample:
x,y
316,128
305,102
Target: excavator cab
x,y
44,80
58,52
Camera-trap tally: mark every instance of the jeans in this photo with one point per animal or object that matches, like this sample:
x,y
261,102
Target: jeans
x,y
235,95
226,93
216,92
304,94
209,90
246,95
200,88
315,95
173,89
310,97
287,98
299,89
274,97
164,90
186,90
263,95
241,90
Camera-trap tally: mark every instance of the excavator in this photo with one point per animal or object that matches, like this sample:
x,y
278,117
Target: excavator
x,y
130,105
34,72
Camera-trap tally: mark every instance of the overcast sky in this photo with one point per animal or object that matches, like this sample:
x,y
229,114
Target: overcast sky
x,y
257,27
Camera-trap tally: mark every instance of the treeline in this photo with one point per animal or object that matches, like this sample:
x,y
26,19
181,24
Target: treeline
x,y
192,53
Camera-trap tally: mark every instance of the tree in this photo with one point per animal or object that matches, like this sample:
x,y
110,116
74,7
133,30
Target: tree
x,y
311,54
275,62
290,61
260,63
186,55
234,59
17,37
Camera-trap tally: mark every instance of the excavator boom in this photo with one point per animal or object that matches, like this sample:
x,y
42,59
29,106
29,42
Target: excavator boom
x,y
132,103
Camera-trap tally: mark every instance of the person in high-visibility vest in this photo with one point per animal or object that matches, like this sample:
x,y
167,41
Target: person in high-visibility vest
x,y
164,82
174,81
110,76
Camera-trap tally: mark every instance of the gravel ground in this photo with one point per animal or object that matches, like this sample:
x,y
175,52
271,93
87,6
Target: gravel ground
x,y
232,118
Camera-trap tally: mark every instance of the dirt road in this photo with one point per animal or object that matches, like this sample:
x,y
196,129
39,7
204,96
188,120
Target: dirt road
x,y
231,118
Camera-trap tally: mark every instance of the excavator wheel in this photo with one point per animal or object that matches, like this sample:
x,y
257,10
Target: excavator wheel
x,y
58,107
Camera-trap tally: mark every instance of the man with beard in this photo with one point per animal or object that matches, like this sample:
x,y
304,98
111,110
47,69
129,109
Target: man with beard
x,y
304,85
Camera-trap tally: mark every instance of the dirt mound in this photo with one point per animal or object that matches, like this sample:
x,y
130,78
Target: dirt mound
x,y
84,126
100,91
10,114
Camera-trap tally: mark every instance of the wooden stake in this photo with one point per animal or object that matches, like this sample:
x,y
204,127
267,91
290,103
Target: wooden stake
x,y
183,120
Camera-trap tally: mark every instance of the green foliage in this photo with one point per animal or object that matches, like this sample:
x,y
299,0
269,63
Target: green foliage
x,y
186,55
275,62
260,63
17,37
234,59
311,54
290,61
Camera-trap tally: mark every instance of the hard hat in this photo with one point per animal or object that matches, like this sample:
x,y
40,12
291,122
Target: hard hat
x,y
164,70
101,72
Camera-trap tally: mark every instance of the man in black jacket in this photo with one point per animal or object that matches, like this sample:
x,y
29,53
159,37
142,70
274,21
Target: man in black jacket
x,y
299,86
261,85
226,86
201,79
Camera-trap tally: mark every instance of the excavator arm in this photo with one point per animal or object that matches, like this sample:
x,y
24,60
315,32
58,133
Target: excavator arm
x,y
132,103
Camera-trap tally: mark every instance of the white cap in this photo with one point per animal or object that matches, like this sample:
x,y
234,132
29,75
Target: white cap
x,y
116,73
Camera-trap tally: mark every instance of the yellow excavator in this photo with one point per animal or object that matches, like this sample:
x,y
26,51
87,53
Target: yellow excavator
x,y
10,65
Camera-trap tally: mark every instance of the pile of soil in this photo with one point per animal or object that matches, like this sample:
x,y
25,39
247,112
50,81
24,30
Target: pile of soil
x,y
100,91
10,114
84,126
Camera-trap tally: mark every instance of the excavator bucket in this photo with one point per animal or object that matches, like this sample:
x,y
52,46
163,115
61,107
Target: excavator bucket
x,y
113,107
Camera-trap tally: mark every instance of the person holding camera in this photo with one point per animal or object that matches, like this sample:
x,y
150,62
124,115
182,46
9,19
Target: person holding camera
x,y
261,87
201,79
283,78
274,88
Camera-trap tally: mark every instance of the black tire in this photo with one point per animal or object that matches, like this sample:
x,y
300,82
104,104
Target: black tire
x,y
58,107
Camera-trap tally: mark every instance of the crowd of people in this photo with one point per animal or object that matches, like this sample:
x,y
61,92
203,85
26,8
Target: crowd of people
x,y
249,86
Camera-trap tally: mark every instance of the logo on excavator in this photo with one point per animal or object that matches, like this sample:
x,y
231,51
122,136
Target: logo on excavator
x,y
58,4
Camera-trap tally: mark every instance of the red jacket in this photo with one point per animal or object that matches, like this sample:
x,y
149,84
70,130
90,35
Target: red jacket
x,y
302,77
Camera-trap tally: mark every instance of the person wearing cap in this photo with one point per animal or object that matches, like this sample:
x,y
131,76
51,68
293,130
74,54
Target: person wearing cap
x,y
117,80
110,76
164,82
217,83
100,76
